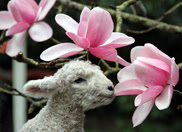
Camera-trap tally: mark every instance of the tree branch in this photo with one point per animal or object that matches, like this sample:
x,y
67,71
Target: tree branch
x,y
129,17
119,9
159,19
2,35
52,64
15,92
177,91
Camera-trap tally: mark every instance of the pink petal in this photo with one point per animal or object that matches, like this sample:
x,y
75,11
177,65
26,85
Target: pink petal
x,y
141,113
156,63
174,73
22,11
100,26
17,28
80,41
44,7
84,19
15,44
164,100
127,73
40,31
59,51
141,51
6,21
117,40
67,23
150,75
104,52
159,53
129,87
14,11
122,61
149,94
33,4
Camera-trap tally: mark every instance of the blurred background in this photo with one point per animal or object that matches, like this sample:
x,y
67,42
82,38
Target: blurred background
x,y
117,116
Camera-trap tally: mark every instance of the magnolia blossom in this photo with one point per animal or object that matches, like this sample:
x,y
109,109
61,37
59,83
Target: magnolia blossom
x,y
151,76
93,33
21,16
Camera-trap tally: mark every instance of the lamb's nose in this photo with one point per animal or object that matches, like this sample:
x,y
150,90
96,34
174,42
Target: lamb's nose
x,y
110,88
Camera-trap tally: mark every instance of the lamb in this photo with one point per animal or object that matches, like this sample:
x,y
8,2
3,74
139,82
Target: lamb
x,y
75,88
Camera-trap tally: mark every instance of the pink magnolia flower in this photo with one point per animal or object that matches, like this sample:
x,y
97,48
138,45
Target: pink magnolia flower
x,y
151,76
93,33
21,16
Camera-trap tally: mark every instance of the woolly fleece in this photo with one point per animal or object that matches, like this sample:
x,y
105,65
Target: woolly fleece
x,y
75,88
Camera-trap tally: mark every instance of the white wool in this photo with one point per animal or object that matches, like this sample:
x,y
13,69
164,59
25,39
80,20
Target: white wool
x,y
69,97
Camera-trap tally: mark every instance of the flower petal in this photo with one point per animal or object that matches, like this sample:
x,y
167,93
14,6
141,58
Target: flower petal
x,y
141,113
104,52
122,61
33,4
155,63
67,23
22,11
83,25
6,21
14,11
40,31
59,51
117,40
141,51
149,94
174,72
129,87
159,53
164,100
15,44
44,7
150,75
17,28
127,73
80,41
100,26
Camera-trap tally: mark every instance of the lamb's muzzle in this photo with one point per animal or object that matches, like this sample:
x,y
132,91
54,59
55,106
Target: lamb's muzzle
x,y
75,88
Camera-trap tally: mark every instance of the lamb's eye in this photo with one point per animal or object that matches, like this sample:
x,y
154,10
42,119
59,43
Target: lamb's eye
x,y
79,80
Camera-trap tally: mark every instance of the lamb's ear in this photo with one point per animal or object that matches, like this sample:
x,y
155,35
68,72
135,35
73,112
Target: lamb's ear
x,y
41,88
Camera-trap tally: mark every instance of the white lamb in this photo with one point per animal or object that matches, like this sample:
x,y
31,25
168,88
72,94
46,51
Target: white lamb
x,y
75,88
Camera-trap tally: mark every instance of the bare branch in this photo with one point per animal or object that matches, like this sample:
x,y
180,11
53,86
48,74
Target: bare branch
x,y
159,19
52,64
55,40
15,92
119,9
2,35
129,17
177,91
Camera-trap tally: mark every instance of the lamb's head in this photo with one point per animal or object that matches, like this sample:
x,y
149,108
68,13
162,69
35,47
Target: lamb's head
x,y
83,83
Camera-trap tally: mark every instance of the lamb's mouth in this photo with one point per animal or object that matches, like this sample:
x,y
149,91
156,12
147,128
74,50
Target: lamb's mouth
x,y
110,95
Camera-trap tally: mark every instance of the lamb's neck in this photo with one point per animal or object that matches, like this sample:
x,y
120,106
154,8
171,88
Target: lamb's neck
x,y
71,117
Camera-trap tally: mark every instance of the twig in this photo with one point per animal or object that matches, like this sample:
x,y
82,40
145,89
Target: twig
x,y
55,40
119,20
125,4
119,9
2,35
170,11
159,19
111,71
129,17
15,92
52,64
105,64
177,91
180,66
